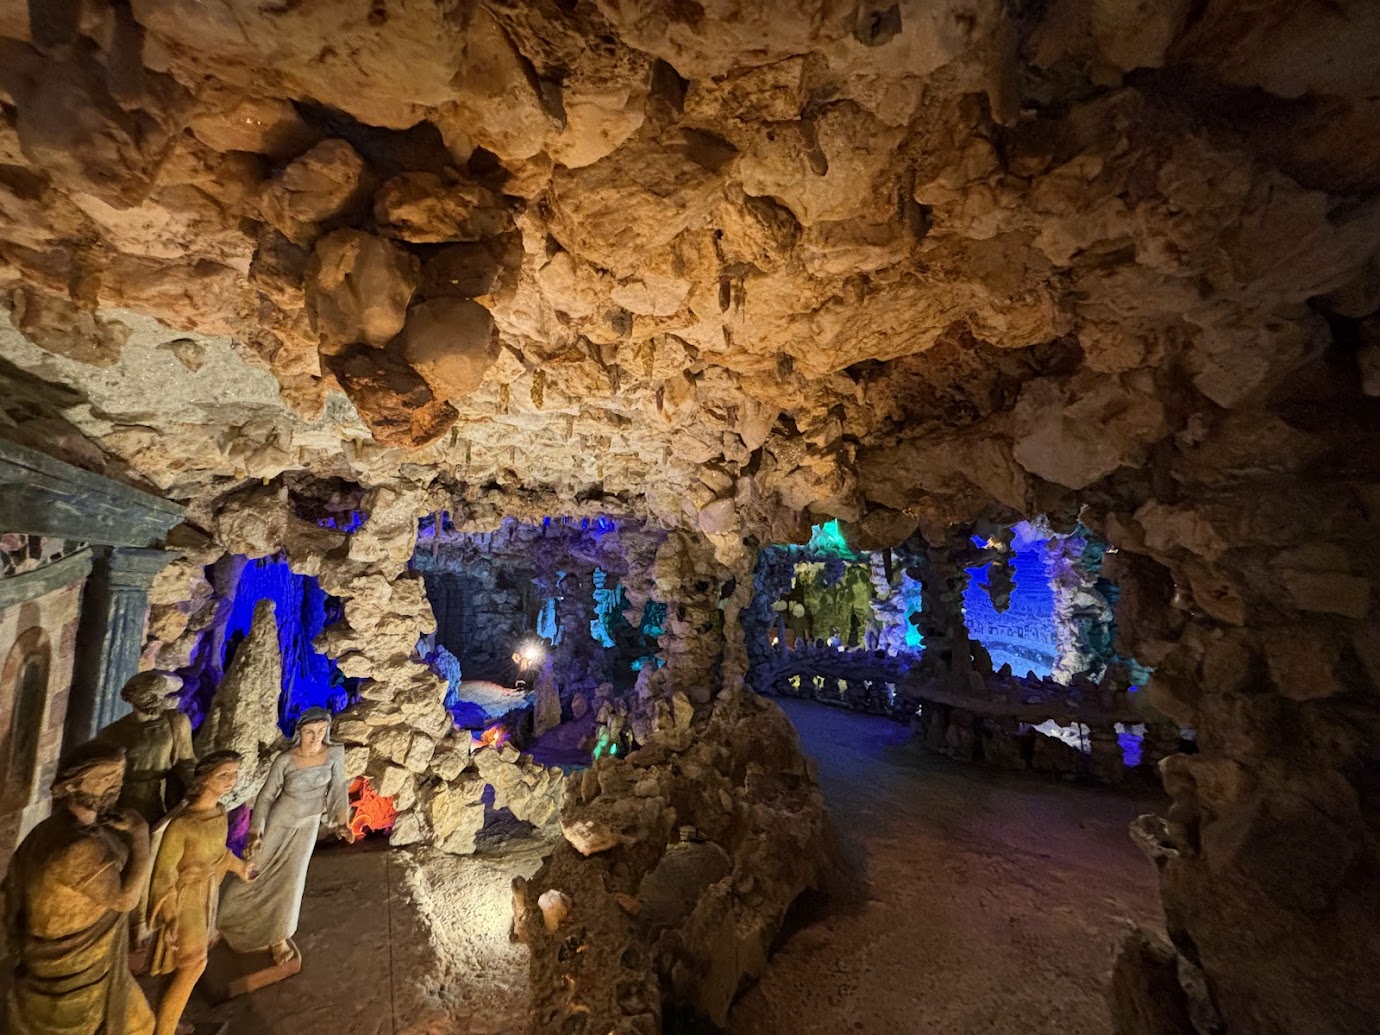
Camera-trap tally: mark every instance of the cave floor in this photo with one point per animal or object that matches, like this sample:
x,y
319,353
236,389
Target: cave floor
x,y
402,942
974,903
988,903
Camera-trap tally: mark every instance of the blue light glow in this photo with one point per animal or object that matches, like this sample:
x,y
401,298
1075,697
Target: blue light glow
x,y
606,609
302,609
1023,636
1132,740
349,522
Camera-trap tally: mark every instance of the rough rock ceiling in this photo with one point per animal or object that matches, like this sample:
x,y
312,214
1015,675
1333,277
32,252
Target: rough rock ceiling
x,y
839,257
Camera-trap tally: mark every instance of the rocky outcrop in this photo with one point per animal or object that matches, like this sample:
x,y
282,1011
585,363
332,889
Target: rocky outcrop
x,y
451,343
677,868
244,714
685,233
1262,861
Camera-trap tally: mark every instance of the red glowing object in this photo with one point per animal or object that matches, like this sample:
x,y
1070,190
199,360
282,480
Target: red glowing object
x,y
495,736
372,812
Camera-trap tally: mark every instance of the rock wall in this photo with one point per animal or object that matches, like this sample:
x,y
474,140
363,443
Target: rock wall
x,y
399,734
1247,582
678,866
747,267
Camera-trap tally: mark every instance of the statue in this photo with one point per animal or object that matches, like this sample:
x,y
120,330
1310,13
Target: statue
x,y
189,861
305,783
68,893
157,741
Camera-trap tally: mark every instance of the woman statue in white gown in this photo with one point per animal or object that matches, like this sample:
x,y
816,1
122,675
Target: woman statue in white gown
x,y
305,784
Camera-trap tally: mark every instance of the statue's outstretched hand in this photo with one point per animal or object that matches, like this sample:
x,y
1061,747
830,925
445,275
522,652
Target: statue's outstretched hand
x,y
252,846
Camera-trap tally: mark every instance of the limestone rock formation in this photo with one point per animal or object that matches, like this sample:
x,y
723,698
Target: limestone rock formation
x,y
313,189
244,712
547,714
749,267
359,287
451,343
679,863
423,209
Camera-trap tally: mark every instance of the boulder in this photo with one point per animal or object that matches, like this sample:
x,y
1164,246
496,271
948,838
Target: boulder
x,y
498,104
423,208
393,400
267,126
451,343
456,814
326,184
358,288
1145,995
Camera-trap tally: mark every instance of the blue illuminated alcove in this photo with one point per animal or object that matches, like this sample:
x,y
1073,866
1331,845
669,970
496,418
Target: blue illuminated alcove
x,y
303,609
1024,635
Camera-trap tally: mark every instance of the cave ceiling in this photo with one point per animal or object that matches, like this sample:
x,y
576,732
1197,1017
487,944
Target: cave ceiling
x,y
729,265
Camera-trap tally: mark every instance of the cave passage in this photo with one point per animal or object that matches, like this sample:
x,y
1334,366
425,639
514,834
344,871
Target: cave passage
x,y
464,447
984,902
836,623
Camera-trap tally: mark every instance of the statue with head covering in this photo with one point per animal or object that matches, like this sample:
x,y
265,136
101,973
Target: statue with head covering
x,y
157,741
67,896
306,785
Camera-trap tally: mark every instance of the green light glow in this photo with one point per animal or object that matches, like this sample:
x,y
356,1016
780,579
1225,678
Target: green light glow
x,y
828,539
604,745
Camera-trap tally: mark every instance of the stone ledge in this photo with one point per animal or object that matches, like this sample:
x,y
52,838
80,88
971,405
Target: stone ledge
x,y
40,495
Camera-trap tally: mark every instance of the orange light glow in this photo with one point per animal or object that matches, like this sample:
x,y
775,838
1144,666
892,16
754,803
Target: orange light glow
x,y
495,736
372,812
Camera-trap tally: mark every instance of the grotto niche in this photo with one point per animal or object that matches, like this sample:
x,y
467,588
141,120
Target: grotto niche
x,y
997,649
799,517
541,625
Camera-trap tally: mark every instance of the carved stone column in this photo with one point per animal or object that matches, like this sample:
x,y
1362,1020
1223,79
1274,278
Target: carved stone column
x,y
114,611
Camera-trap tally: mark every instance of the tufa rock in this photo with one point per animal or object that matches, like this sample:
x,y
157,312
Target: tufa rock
x,y
244,711
451,343
391,397
358,288
425,209
326,184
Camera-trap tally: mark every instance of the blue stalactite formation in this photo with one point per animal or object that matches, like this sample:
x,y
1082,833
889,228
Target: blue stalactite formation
x,y
302,609
349,521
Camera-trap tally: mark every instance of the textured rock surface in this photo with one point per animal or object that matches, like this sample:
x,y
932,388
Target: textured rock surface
x,y
688,230
244,715
747,267
678,865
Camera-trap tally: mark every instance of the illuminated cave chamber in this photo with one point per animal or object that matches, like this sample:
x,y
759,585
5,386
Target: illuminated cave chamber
x,y
997,647
539,624
301,611
289,289
265,597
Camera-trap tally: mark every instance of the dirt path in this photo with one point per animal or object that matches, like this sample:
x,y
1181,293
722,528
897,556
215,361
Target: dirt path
x,y
987,904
